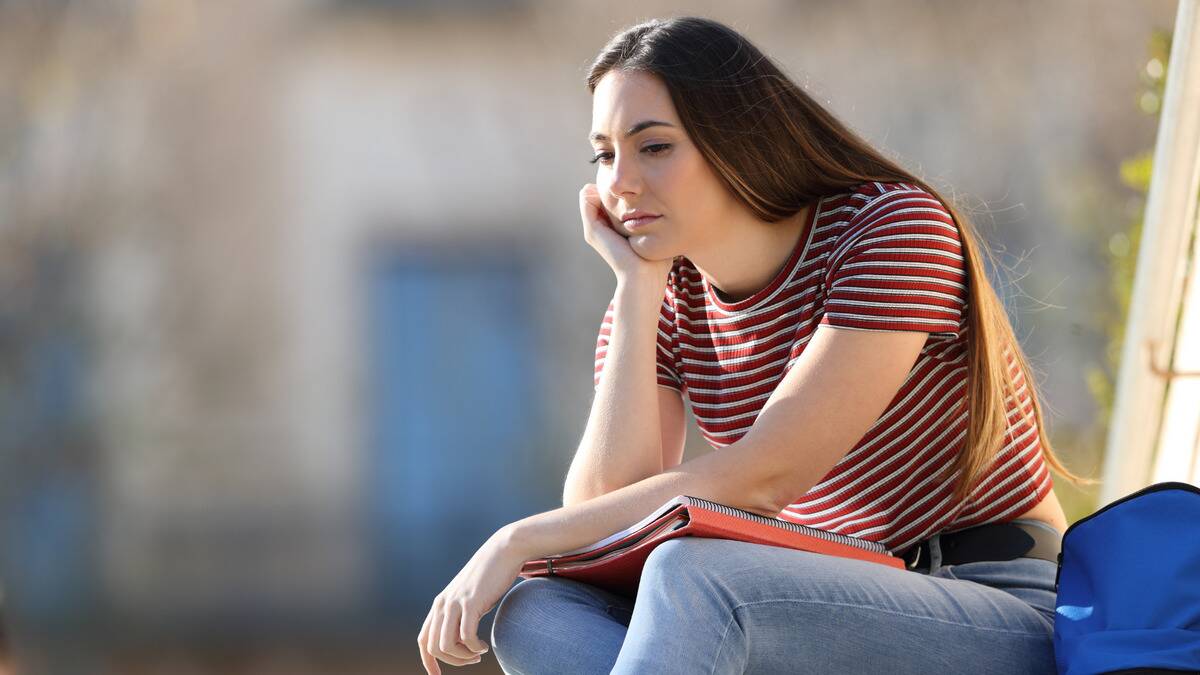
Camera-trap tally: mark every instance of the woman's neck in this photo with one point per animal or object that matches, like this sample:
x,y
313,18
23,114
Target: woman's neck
x,y
750,256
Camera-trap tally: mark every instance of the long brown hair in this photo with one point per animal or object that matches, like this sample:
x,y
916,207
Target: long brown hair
x,y
777,151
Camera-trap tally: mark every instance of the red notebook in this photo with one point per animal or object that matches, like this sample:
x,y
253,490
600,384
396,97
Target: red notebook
x,y
615,562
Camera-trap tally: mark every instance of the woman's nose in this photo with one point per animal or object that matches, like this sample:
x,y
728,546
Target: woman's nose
x,y
625,177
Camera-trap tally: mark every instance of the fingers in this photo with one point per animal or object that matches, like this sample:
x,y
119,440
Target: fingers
x,y
448,648
610,240
448,641
595,216
590,196
432,638
588,211
427,660
468,633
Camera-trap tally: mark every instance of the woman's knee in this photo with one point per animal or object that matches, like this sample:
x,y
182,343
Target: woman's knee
x,y
697,559
514,609
513,619
735,572
680,566
679,554
551,624
539,607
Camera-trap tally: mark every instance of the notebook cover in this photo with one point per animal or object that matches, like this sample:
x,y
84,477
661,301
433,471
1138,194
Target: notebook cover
x,y
621,571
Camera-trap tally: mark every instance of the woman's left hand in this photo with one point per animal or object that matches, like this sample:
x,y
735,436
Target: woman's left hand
x,y
450,629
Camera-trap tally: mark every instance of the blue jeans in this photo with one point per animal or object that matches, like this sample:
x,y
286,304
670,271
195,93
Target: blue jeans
x,y
721,606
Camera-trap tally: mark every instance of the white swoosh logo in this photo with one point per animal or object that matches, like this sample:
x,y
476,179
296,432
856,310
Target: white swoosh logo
x,y
1074,612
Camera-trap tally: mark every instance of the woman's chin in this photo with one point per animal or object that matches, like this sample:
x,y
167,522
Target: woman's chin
x,y
648,246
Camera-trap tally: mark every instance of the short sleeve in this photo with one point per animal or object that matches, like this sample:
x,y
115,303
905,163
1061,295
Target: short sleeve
x,y
667,375
899,267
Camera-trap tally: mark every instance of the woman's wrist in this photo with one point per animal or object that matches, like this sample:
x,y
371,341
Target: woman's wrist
x,y
642,284
520,537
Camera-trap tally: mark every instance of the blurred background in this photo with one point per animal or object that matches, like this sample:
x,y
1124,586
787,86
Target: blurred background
x,y
295,309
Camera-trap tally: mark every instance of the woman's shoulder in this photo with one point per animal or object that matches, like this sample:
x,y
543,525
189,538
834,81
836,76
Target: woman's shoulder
x,y
874,193
876,204
856,202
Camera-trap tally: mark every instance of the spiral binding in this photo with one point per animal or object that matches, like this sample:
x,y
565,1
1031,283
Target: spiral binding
x,y
873,546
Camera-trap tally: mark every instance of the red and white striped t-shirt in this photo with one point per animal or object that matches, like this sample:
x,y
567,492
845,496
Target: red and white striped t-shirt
x,y
884,256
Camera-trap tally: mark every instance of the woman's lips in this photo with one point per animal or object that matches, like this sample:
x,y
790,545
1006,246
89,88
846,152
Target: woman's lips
x,y
635,223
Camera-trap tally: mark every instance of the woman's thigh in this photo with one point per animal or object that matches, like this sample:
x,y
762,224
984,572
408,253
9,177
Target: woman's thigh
x,y
720,606
556,625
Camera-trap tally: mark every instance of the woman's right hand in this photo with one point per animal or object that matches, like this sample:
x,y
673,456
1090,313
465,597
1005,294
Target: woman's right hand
x,y
612,243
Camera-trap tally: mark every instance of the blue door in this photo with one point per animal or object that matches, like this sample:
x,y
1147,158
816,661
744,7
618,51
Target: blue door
x,y
455,416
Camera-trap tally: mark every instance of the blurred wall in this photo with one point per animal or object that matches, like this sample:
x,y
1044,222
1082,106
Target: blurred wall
x,y
296,305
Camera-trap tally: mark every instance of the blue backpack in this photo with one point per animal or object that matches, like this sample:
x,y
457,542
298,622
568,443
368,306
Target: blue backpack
x,y
1129,586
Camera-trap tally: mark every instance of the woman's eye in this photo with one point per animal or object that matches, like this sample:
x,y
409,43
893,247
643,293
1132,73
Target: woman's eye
x,y
653,149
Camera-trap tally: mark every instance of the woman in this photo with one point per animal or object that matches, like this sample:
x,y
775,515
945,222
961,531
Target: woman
x,y
828,317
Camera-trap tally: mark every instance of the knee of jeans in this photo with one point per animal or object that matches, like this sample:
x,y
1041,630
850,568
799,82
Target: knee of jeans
x,y
512,613
677,556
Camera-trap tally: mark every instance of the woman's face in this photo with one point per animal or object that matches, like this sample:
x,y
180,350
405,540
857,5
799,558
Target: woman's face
x,y
655,169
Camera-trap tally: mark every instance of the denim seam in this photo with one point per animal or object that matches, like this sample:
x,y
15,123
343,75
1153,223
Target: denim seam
x,y
608,609
724,637
888,611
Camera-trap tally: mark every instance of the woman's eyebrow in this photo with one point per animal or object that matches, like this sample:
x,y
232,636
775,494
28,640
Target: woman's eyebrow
x,y
644,124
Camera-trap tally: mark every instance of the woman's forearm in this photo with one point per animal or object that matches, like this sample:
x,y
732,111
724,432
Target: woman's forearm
x,y
728,476
622,442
